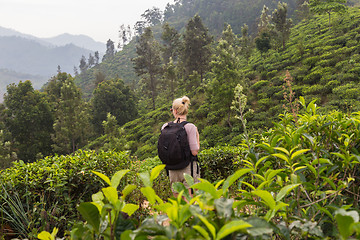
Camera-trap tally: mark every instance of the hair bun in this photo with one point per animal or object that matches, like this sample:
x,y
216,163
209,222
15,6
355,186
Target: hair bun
x,y
185,99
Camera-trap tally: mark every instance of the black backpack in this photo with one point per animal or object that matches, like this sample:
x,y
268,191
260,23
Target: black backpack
x,y
173,146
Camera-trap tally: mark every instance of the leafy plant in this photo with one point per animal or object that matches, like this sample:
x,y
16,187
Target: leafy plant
x,y
106,216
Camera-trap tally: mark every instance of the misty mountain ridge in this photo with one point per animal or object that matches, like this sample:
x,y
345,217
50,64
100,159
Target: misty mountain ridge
x,y
29,56
8,76
81,41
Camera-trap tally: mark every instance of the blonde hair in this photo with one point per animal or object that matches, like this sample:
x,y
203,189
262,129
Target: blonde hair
x,y
181,105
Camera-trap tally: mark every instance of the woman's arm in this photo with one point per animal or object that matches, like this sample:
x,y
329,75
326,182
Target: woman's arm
x,y
195,152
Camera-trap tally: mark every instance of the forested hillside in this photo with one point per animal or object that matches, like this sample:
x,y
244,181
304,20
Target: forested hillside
x,y
124,99
214,14
321,57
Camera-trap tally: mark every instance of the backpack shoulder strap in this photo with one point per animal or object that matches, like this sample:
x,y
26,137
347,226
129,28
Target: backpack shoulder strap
x,y
184,123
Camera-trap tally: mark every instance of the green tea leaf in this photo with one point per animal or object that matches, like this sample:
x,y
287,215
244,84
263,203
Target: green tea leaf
x,y
270,173
282,150
208,225
345,221
103,177
111,194
115,180
297,153
321,161
130,208
231,179
202,231
312,169
309,137
45,236
127,190
282,156
145,178
206,187
184,214
260,161
149,193
266,197
231,227
189,179
156,171
342,156
91,214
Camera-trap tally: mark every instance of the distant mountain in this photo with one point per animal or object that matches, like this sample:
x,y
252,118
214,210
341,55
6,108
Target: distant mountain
x,y
29,56
7,77
81,41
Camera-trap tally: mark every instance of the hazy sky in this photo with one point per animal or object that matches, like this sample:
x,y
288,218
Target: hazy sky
x,y
99,19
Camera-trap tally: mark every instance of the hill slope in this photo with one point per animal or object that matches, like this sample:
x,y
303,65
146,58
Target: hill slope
x,y
28,56
214,13
324,64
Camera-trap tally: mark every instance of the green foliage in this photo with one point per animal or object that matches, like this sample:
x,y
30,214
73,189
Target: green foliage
x,y
147,64
327,7
224,74
29,121
6,155
71,124
105,214
113,97
53,186
218,162
196,54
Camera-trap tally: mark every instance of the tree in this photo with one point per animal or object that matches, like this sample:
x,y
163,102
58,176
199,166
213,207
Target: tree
x,y
139,27
28,120
171,43
71,125
245,42
224,74
302,9
262,42
83,64
148,63
110,50
6,154
170,53
282,23
113,97
152,16
327,7
76,72
265,20
170,79
97,58
99,77
197,48
91,60
125,35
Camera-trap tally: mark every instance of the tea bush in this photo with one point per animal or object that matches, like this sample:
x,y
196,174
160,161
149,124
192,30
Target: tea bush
x,y
218,162
52,187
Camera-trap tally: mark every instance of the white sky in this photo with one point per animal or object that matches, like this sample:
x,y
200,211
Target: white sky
x,y
99,19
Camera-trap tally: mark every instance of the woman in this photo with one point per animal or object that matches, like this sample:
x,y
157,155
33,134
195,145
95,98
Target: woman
x,y
180,109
